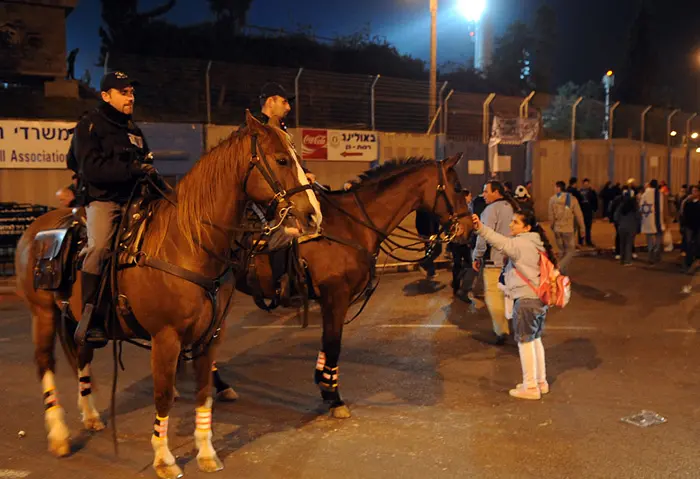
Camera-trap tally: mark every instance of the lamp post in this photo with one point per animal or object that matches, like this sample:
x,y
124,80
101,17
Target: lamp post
x,y
608,83
433,56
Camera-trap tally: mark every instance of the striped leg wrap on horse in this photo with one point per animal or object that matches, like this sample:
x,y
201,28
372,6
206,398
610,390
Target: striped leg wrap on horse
x,y
203,419
160,427
321,361
50,399
85,386
329,379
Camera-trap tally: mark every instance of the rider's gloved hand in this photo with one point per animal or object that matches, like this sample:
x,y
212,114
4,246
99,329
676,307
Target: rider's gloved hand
x,y
149,169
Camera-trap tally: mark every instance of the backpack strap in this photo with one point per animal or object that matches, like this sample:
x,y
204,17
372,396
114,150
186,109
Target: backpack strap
x,y
526,280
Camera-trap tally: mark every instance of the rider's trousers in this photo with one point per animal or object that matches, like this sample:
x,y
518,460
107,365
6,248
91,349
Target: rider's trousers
x,y
101,226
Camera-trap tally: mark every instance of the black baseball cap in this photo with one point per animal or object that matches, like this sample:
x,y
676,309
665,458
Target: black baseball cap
x,y
274,89
117,80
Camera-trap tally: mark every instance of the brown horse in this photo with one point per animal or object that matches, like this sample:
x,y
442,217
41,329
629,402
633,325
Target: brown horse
x,y
355,223
193,231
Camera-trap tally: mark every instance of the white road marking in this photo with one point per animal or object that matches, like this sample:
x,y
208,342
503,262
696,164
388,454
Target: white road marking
x,y
570,328
683,331
430,326
13,473
280,326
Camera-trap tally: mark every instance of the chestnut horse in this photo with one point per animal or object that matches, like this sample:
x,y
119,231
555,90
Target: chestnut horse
x,y
192,231
355,223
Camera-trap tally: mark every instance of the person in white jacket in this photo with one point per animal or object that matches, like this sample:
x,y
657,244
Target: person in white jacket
x,y
523,251
651,207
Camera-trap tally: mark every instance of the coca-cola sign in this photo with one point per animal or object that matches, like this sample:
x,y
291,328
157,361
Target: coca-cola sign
x,y
314,144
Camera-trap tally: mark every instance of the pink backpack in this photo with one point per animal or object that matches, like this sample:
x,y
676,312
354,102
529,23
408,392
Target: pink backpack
x,y
554,288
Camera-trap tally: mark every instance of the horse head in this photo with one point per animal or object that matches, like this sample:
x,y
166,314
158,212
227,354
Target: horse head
x,y
275,177
443,197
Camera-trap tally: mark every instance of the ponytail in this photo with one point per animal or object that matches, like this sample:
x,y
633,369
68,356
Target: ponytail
x,y
530,220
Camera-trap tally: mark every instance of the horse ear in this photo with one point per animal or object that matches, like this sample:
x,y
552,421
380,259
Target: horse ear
x,y
252,122
451,161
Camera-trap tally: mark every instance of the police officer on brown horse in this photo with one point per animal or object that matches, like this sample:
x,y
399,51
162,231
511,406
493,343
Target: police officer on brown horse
x,y
275,106
110,151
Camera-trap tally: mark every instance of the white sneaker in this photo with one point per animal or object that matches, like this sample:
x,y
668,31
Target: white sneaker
x,y
523,393
544,387
617,256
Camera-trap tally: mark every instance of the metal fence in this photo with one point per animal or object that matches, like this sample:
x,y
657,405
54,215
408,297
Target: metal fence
x,y
193,90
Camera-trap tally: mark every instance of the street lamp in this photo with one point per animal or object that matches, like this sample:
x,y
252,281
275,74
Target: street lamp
x,y
695,135
472,10
674,133
433,57
608,83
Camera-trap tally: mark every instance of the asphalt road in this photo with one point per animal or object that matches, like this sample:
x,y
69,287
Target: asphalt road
x,y
428,395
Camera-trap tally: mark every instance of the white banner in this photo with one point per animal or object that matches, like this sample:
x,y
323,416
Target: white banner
x,y
339,145
346,145
34,144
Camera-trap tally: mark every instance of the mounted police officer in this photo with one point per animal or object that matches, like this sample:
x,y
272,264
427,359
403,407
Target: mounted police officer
x,y
275,106
110,151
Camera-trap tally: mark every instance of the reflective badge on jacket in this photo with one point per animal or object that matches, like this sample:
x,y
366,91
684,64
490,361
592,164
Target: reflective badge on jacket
x,y
136,140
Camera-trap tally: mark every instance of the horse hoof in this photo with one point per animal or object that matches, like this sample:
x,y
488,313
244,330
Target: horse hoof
x,y
227,395
176,394
209,464
59,447
94,424
340,412
168,472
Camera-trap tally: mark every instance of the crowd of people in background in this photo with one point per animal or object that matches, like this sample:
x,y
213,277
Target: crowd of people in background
x,y
508,238
633,210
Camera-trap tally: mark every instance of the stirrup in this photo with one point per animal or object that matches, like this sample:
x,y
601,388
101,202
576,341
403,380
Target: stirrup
x,y
81,336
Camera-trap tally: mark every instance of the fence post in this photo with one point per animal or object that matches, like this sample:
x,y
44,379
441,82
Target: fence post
x,y
611,147
486,134
643,155
574,153
207,86
688,128
297,106
442,115
445,116
668,147
486,130
525,105
372,101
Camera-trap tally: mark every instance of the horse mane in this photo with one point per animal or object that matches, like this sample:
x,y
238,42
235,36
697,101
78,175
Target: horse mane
x,y
197,192
388,170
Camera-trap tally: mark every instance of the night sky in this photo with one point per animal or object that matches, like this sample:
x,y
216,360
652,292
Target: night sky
x,y
592,32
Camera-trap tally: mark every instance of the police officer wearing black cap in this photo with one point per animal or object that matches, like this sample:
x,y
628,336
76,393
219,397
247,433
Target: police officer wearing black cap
x,y
275,105
109,150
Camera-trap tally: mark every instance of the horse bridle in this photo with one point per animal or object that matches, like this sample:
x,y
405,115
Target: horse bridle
x,y
441,193
260,162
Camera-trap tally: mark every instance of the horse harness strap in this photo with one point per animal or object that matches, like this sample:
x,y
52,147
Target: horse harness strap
x,y
211,288
209,285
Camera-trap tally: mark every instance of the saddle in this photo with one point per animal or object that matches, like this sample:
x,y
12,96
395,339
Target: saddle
x,y
58,250
282,261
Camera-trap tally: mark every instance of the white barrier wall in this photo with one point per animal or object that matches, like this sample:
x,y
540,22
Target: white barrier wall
x,y
401,145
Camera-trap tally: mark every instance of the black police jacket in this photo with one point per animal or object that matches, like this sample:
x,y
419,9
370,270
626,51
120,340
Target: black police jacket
x,y
109,149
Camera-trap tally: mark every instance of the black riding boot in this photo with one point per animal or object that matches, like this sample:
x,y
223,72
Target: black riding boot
x,y
278,263
91,329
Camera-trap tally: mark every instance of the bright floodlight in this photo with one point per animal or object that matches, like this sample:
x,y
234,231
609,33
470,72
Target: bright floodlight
x,y
694,136
674,133
471,9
